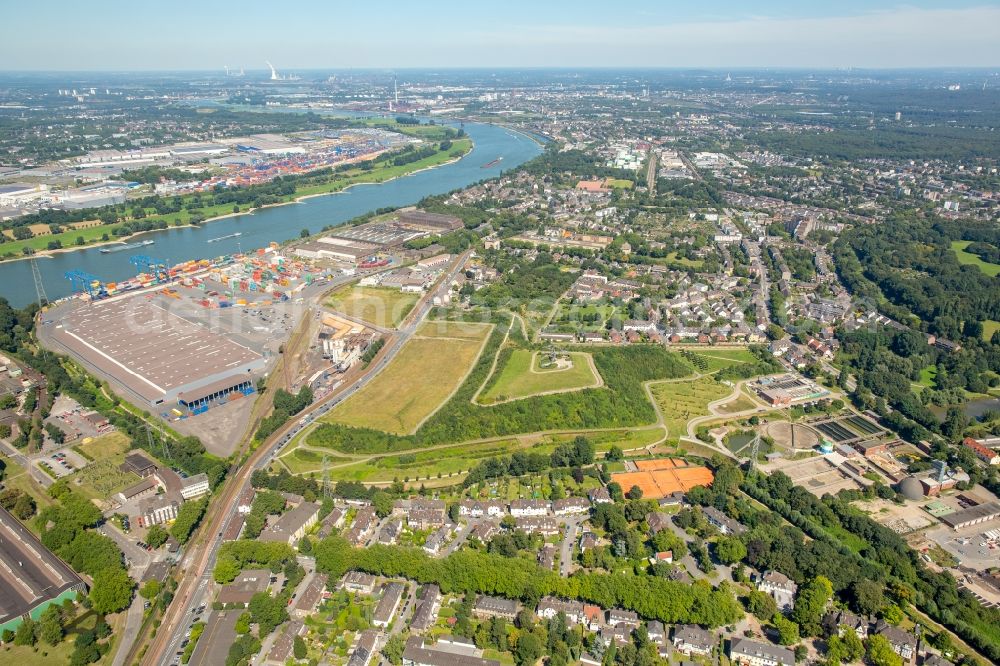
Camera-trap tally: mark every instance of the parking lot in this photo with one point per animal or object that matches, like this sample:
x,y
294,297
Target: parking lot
x,y
976,547
61,463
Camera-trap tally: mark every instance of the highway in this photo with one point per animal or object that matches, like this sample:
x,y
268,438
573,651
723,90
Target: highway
x,y
199,562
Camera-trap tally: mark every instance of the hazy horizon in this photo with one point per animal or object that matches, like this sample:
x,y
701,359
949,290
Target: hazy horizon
x,y
129,37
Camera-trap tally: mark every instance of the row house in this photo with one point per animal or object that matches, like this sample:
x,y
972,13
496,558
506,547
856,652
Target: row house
x,y
475,509
544,525
570,506
521,508
550,607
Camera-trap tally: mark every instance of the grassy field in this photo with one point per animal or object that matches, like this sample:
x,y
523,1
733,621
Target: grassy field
x,y
17,477
43,654
380,306
453,461
740,404
104,446
418,381
989,328
522,377
303,461
717,359
928,376
967,258
576,317
672,258
619,184
682,401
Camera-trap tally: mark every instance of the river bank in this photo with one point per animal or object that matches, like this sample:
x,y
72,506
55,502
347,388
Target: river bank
x,y
336,188
273,223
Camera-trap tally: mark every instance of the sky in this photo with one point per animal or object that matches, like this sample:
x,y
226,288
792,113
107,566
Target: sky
x,y
299,35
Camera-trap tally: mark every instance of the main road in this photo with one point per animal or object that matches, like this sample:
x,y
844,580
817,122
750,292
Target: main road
x,y
200,560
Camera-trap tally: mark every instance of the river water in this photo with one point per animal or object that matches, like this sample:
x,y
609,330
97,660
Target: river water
x,y
279,223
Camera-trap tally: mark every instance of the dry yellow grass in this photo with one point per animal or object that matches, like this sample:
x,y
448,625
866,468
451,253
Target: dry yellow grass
x,y
416,383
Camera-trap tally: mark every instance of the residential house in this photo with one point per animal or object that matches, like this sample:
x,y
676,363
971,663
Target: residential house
x,y
543,525
436,540
486,607
618,616
746,652
520,508
244,586
365,648
593,617
549,607
292,525
307,601
657,522
840,621
599,496
426,612
570,506
356,581
903,642
781,588
722,522
385,610
691,639
390,532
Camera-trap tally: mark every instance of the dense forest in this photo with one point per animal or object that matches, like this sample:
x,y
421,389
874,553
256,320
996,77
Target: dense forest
x,y
886,142
870,567
907,261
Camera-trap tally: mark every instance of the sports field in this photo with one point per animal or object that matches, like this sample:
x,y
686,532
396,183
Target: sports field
x,y
682,401
523,376
379,306
429,367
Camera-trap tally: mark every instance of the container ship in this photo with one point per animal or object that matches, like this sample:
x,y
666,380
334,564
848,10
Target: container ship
x,y
126,246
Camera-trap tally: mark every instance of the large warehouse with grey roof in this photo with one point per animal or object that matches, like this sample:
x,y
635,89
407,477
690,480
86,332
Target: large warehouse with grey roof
x,y
155,354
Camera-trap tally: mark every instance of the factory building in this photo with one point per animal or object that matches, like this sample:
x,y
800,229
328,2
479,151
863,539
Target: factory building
x,y
31,577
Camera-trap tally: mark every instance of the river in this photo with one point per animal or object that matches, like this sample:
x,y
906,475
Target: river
x,y
279,223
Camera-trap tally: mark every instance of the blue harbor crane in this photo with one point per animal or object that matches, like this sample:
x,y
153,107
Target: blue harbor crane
x,y
145,264
84,281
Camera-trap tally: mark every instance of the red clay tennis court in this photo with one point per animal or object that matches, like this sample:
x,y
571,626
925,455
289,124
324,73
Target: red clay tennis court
x,y
661,463
659,478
